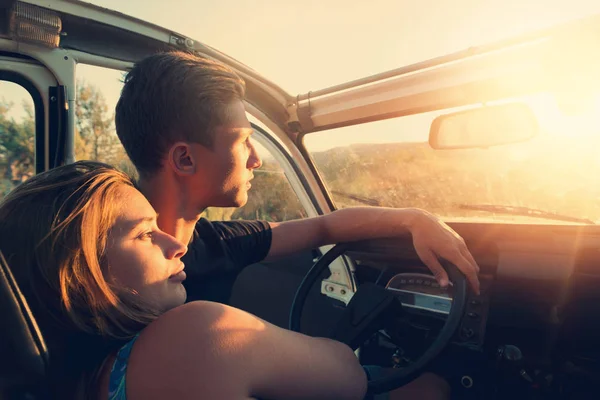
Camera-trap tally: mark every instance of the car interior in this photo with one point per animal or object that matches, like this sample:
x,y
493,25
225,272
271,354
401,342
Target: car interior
x,y
533,331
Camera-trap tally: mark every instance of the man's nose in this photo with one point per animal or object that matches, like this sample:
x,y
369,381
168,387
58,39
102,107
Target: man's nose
x,y
254,160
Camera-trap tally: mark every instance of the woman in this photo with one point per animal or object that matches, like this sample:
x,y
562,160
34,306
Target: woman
x,y
105,285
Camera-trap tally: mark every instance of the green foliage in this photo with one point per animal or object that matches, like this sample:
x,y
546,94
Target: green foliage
x,y
17,143
95,137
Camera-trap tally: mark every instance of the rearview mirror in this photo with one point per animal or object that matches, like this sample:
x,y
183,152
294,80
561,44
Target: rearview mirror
x,y
484,127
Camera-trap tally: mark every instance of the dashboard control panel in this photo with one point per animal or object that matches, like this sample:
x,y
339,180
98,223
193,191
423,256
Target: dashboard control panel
x,y
422,293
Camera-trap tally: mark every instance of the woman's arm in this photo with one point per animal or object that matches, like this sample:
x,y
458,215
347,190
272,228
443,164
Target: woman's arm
x,y
212,351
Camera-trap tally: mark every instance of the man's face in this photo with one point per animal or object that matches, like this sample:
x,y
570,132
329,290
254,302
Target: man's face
x,y
228,167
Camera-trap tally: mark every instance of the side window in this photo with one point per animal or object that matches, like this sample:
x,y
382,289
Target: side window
x,y
17,136
95,135
271,197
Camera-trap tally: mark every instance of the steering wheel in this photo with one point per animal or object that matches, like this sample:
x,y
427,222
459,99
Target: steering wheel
x,y
375,304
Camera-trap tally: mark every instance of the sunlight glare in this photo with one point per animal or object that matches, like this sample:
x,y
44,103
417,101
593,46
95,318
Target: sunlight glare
x,y
554,121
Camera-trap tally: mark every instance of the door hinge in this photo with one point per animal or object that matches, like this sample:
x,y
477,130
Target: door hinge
x,y
182,42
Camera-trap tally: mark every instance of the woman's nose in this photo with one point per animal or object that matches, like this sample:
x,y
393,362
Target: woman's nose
x,y
174,248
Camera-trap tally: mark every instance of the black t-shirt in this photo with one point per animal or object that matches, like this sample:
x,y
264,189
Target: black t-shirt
x,y
218,252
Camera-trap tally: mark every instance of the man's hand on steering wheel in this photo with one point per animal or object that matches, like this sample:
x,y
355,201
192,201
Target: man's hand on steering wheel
x,y
433,239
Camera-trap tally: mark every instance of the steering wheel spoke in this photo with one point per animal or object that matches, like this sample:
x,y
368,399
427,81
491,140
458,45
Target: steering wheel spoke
x,y
367,313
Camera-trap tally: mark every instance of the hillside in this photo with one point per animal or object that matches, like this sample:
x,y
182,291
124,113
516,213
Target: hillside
x,y
552,173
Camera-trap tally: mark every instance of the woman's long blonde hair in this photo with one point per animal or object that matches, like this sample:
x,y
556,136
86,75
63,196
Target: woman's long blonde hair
x,y
54,230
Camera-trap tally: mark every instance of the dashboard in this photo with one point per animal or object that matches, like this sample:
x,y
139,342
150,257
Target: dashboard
x,y
421,294
531,333
421,291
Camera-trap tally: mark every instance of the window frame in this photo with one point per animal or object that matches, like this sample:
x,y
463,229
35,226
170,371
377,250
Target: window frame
x,y
342,269
296,179
39,114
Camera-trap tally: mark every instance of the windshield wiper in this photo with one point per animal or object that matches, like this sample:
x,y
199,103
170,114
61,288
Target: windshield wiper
x,y
524,211
360,199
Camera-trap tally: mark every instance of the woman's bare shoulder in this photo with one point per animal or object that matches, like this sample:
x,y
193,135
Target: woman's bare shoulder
x,y
214,351
188,348
201,317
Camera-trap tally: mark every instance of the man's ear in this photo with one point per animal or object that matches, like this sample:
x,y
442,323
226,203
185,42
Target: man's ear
x,y
181,159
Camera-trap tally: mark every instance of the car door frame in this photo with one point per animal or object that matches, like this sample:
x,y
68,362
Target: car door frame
x,y
42,85
341,284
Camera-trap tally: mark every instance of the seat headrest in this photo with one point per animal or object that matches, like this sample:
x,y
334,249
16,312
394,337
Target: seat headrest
x,y
23,352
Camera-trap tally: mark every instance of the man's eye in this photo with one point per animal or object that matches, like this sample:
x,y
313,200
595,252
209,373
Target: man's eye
x,y
147,235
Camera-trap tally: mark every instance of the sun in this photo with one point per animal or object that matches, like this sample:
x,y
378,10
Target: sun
x,y
584,120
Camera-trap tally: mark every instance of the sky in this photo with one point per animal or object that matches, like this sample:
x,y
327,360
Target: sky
x,y
312,44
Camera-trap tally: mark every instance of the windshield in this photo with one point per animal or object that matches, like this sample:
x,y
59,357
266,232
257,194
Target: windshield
x,y
551,178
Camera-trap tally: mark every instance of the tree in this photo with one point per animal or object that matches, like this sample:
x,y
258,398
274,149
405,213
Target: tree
x,y
94,125
95,137
17,141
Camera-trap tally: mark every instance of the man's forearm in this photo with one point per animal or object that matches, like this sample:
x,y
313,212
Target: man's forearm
x,y
344,225
431,237
359,223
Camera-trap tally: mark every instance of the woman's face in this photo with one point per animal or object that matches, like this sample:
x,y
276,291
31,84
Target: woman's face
x,y
143,258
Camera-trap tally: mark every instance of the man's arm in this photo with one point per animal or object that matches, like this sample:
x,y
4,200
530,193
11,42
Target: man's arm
x,y
431,237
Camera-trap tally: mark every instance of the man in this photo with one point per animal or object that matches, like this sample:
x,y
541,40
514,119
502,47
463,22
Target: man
x,y
182,121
